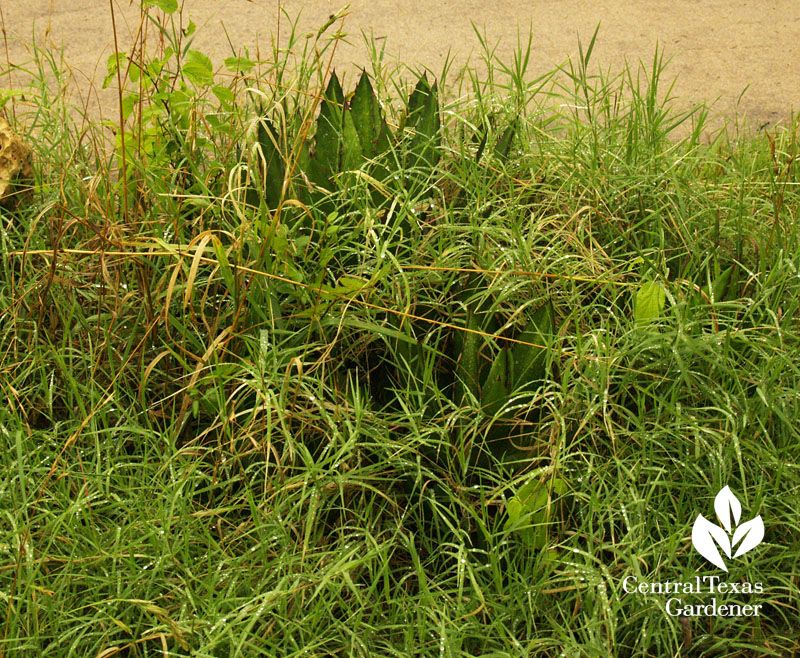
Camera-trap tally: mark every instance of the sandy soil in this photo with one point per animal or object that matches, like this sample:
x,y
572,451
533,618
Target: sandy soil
x,y
719,48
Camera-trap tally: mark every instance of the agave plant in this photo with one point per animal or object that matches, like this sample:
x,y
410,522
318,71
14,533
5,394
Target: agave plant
x,y
491,375
351,133
519,365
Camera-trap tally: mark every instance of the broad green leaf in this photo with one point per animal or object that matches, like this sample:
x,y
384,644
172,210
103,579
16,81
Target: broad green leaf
x,y
470,371
198,69
649,301
128,103
417,100
225,95
528,510
167,6
114,60
346,287
237,64
303,168
280,240
721,285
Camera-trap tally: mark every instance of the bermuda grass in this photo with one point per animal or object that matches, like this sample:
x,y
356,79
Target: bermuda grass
x,y
235,430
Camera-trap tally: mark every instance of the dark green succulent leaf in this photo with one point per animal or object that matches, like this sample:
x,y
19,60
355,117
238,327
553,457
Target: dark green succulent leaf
x,y
417,100
351,156
270,163
423,117
530,361
494,393
473,293
370,125
326,160
303,160
503,147
305,175
467,345
721,284
482,146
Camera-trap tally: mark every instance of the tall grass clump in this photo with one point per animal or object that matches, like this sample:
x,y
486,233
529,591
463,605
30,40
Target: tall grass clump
x,y
303,364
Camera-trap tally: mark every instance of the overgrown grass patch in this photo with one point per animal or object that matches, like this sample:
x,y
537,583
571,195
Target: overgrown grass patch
x,y
259,415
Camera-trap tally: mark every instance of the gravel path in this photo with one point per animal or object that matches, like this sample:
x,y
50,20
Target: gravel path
x,y
718,48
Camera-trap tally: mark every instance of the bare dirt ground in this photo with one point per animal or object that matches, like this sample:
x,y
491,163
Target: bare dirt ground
x,y
718,48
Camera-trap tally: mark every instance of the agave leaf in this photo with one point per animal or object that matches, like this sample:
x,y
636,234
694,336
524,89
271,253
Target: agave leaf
x,y
328,139
474,293
373,133
269,161
467,345
416,101
530,361
721,284
303,168
481,146
494,393
503,146
370,125
423,118
351,155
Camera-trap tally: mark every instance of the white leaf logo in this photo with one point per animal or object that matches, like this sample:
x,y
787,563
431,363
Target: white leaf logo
x,y
750,533
708,538
727,505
